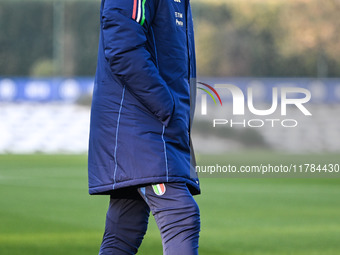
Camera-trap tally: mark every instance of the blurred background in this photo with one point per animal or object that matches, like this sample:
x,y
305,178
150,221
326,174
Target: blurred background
x,y
48,52
48,61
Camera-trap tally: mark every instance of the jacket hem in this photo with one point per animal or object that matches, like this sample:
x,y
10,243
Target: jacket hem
x,y
110,188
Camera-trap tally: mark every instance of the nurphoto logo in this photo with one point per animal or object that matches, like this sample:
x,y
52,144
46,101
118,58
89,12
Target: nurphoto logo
x,y
281,98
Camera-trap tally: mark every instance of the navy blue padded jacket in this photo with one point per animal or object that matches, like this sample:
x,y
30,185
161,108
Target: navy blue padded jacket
x,y
141,107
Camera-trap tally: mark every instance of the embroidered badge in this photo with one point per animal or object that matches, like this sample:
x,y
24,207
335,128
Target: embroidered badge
x,y
159,189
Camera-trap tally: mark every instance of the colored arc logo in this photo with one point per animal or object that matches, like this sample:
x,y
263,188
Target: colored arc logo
x,y
209,93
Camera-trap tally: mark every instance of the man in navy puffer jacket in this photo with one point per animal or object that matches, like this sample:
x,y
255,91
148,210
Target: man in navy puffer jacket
x,y
143,100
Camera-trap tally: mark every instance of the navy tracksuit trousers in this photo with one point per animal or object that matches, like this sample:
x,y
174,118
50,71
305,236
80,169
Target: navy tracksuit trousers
x,y
176,214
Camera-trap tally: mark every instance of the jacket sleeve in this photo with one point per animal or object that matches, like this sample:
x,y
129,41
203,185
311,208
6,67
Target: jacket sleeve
x,y
125,24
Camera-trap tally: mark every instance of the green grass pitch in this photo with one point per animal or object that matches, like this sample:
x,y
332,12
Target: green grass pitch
x,y
45,209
